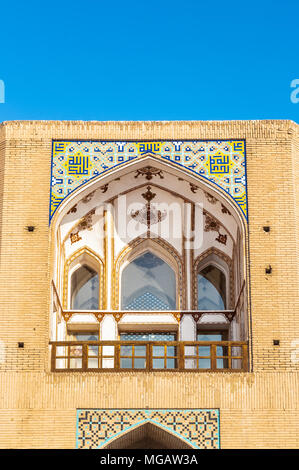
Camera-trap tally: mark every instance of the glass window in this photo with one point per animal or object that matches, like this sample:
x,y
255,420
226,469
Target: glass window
x,y
148,283
205,351
92,350
211,287
85,289
134,356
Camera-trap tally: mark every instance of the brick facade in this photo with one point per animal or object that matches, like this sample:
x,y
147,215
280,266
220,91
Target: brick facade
x,y
258,409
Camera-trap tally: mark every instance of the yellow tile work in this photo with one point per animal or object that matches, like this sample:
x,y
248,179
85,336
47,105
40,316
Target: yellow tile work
x,y
257,409
76,163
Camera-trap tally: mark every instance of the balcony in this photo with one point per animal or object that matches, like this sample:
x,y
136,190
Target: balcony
x,y
119,356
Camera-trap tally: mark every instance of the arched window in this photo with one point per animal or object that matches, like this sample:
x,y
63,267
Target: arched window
x,y
85,289
148,283
211,288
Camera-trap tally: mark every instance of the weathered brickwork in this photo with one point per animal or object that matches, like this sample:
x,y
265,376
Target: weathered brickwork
x,y
258,408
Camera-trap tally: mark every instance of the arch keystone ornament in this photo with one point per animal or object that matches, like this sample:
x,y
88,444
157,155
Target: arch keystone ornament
x,y
197,428
222,163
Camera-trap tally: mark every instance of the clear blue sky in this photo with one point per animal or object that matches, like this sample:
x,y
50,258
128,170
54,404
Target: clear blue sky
x,y
149,60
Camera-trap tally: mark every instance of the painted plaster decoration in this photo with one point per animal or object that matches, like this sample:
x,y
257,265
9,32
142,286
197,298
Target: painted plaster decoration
x,y
85,223
221,238
75,237
104,188
117,316
210,198
73,210
148,214
149,172
99,316
211,224
224,210
220,162
197,316
148,195
193,187
88,198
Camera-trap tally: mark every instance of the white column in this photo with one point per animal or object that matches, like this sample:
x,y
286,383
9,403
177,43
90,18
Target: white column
x,y
109,253
108,332
187,255
188,333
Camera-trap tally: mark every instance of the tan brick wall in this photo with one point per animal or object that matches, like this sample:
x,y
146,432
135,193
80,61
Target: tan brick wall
x,y
37,409
256,409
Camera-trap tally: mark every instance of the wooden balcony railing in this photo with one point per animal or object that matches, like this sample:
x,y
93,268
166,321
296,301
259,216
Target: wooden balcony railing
x,y
97,356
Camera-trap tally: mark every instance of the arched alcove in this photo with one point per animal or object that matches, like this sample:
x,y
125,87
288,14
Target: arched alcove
x,y
148,283
84,289
211,288
153,272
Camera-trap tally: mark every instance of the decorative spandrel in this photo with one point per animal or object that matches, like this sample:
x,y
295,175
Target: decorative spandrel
x,y
198,427
74,163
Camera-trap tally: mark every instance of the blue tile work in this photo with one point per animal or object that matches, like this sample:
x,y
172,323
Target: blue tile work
x,y
223,163
198,427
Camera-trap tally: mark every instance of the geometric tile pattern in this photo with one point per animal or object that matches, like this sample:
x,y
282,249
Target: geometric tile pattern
x,y
197,427
147,301
74,163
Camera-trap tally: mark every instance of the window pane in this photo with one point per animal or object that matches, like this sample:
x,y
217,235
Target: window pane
x,y
75,363
92,350
158,363
93,363
140,351
139,363
214,336
148,283
204,364
85,289
170,363
158,351
211,289
126,363
171,350
126,350
204,351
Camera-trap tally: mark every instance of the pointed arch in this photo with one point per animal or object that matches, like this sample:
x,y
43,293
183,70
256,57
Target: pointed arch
x,y
101,180
209,257
148,433
158,246
82,256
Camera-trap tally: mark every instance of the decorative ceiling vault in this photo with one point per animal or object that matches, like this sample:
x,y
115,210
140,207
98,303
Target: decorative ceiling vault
x,y
148,214
149,172
223,163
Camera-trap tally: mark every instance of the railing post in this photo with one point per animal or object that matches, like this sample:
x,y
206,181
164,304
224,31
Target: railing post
x,y
84,357
149,356
181,354
245,357
117,356
213,356
53,357
229,354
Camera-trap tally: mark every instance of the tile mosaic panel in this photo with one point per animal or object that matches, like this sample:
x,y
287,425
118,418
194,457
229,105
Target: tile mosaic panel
x,y
74,163
199,427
